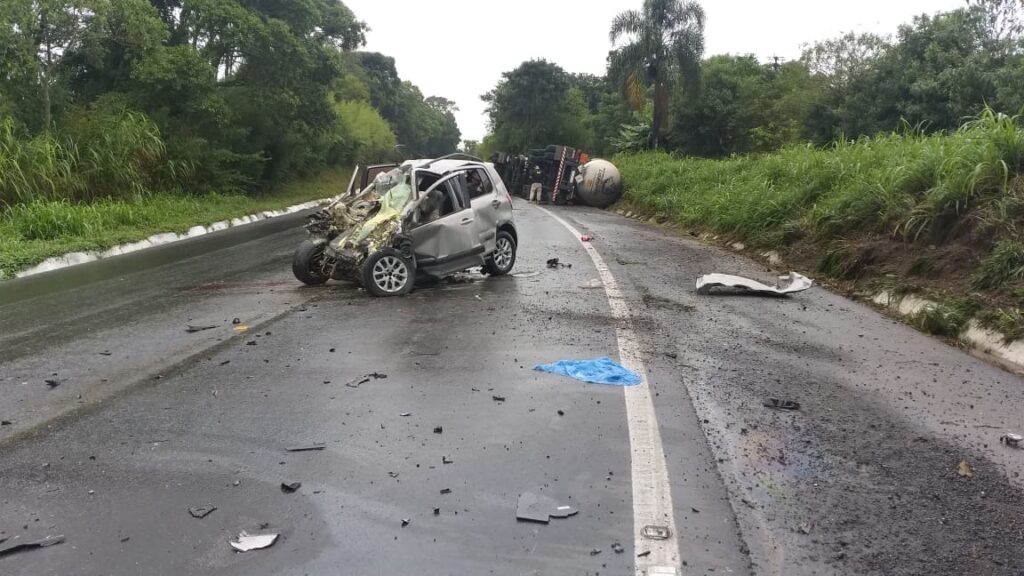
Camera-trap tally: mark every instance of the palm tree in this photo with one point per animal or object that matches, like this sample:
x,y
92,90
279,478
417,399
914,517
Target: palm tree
x,y
665,37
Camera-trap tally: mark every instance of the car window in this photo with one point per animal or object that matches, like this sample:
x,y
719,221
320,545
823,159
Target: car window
x,y
479,183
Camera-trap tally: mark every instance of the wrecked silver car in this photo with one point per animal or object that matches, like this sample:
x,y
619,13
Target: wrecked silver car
x,y
421,219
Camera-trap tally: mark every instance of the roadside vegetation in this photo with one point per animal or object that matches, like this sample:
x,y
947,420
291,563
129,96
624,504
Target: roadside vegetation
x,y
35,230
937,214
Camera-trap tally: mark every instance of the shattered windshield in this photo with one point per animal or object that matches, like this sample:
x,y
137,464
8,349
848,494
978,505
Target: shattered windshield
x,y
393,189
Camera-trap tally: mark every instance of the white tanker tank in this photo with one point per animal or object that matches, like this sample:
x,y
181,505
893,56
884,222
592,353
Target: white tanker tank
x,y
599,184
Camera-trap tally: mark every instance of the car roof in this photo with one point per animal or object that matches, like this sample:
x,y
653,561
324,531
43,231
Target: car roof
x,y
444,166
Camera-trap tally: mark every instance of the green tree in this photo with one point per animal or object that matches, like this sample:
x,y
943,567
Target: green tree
x,y
531,107
666,41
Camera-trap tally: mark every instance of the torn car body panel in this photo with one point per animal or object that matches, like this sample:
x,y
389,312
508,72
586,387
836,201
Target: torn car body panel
x,y
789,284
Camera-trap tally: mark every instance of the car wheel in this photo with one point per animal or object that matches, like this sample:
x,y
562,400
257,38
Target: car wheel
x,y
503,259
388,273
307,263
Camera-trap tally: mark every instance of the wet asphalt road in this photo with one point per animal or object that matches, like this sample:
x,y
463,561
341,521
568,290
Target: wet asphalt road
x,y
148,421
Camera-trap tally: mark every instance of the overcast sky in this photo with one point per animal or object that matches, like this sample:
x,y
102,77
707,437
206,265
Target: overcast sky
x,y
459,48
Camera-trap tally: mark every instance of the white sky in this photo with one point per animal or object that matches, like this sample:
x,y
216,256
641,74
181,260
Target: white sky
x,y
459,48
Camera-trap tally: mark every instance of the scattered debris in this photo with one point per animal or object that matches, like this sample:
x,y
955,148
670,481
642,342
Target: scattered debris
x,y
312,448
290,487
438,430
446,460
776,404
786,284
241,328
357,382
586,238
445,491
192,328
437,511
405,522
477,296
555,264
1011,440
200,512
597,371
804,528
393,474
617,548
561,412
672,355
526,275
498,398
246,542
5,423
106,353
594,284
644,554
655,532
538,508
53,383
45,543
405,414
965,469
236,321
595,551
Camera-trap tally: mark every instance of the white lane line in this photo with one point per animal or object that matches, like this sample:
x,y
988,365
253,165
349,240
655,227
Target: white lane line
x,y
652,495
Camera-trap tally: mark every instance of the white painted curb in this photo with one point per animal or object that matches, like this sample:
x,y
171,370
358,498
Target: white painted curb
x,y
985,342
76,258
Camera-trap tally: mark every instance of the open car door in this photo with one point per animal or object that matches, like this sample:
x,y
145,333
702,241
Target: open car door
x,y
442,228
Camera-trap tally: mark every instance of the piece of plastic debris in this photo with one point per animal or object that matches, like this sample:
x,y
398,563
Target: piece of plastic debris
x,y
776,404
595,551
199,328
438,430
53,383
561,412
290,487
804,528
555,264
1012,440
311,448
644,554
437,511
617,548
446,460
45,543
405,522
655,532
236,321
597,371
241,328
200,512
393,474
786,284
593,284
446,491
246,542
405,414
477,296
965,469
498,398
356,382
5,422
538,508
586,238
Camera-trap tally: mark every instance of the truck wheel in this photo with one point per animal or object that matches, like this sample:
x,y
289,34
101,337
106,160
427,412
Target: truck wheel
x,y
307,263
503,259
388,273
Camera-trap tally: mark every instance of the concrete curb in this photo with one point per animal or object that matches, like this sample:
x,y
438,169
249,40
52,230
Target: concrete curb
x,y
76,258
983,342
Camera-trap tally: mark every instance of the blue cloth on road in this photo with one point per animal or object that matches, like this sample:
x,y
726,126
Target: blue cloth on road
x,y
597,371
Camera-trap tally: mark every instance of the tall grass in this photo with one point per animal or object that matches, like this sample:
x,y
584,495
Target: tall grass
x,y
908,185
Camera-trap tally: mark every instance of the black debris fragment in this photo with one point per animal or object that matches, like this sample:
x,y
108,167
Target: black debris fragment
x,y
405,522
672,355
438,430
393,474
437,511
53,383
617,548
1011,440
561,412
193,328
200,512
250,343
554,263
290,487
357,382
46,543
5,422
644,554
498,398
446,491
106,353
595,551
225,363
776,404
538,508
446,460
236,321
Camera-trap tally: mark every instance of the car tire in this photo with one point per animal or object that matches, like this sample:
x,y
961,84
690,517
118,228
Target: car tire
x,y
501,261
306,263
388,273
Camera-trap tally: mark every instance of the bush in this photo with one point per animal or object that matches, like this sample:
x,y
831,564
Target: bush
x,y
364,136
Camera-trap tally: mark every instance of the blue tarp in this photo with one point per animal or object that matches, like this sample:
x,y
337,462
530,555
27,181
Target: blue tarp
x,y
596,371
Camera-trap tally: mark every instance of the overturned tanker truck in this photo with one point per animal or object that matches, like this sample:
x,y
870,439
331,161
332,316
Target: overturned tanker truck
x,y
568,176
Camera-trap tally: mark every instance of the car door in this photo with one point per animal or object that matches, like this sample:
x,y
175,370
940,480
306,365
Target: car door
x,y
444,237
486,202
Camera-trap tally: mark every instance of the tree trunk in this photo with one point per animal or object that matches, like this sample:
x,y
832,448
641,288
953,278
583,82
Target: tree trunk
x,y
660,112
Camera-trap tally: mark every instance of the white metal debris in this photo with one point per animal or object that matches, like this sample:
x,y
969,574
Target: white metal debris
x,y
788,284
247,542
